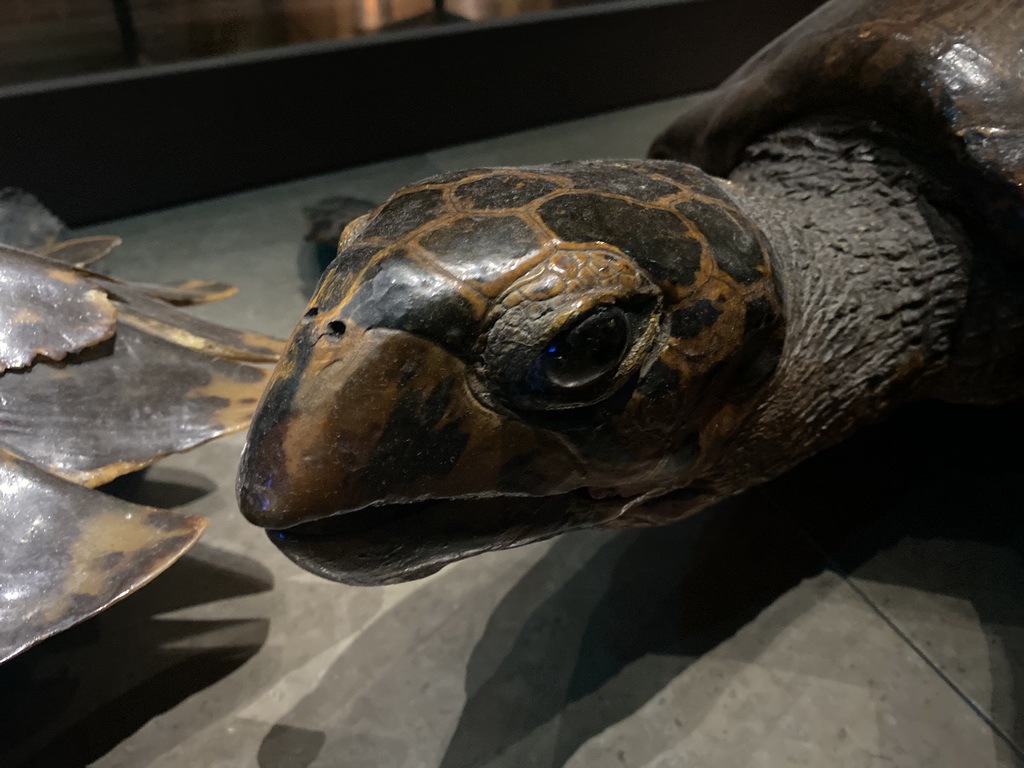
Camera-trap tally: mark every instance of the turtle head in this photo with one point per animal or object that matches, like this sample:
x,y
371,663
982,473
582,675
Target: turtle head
x,y
500,355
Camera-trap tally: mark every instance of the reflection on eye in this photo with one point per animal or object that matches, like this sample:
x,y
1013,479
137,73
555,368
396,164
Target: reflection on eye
x,y
588,351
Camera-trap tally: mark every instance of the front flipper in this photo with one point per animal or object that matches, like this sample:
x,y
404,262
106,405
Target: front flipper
x,y
82,251
50,310
123,405
67,552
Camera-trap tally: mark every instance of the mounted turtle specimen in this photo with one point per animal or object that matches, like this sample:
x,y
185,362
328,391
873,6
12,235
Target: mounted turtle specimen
x,y
499,355
98,377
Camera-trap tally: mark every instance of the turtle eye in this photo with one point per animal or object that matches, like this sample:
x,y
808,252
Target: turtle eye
x,y
584,353
571,333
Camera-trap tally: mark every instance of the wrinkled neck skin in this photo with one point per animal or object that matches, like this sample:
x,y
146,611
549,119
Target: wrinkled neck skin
x,y
873,280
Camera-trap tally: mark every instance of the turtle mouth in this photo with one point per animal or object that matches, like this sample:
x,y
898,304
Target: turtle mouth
x,y
401,542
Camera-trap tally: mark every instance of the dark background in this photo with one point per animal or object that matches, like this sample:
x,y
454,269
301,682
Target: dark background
x,y
101,146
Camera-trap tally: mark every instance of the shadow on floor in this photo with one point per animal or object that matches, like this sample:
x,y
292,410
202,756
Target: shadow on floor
x,y
602,622
932,503
617,632
590,633
166,488
934,472
74,697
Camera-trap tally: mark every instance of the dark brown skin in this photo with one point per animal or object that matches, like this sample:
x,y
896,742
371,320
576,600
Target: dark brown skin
x,y
653,340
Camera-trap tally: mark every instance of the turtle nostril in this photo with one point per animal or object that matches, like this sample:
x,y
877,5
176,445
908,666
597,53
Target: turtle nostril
x,y
335,329
311,312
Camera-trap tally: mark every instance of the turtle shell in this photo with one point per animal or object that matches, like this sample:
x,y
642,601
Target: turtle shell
x,y
948,75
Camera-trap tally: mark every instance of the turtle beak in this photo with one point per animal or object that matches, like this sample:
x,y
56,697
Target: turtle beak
x,y
356,418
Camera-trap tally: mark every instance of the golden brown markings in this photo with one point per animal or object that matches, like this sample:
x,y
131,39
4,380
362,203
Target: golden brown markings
x,y
387,245
26,315
204,291
688,195
101,301
579,267
464,288
683,188
679,292
491,290
762,289
353,284
252,347
93,478
492,440
414,236
271,344
241,397
460,204
496,288
81,251
117,532
769,283
354,228
102,328
694,359
741,221
547,240
285,367
536,223
334,283
527,212
455,210
69,276
90,478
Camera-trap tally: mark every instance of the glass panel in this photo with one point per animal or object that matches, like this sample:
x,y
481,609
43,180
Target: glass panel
x,y
53,38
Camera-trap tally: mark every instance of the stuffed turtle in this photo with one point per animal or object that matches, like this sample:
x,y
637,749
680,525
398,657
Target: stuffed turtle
x,y
502,354
98,377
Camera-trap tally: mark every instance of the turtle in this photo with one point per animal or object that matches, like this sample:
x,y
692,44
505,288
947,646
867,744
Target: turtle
x,y
99,377
499,355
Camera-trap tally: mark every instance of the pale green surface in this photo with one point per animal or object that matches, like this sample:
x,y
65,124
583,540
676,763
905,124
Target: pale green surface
x,y
720,642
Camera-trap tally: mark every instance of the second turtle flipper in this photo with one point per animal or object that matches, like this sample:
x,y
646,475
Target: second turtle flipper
x,y
67,552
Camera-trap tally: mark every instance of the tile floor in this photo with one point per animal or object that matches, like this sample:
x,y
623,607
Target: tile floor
x,y
865,610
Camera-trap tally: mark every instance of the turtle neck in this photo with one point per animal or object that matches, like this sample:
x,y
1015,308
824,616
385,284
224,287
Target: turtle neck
x,y
874,279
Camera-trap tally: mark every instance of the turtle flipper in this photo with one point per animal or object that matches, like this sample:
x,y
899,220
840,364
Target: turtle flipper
x,y
53,311
187,292
98,377
82,251
67,552
140,310
123,405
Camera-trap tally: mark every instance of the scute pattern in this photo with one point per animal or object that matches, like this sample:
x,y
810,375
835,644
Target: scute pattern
x,y
404,293
503,190
482,250
658,240
405,213
440,258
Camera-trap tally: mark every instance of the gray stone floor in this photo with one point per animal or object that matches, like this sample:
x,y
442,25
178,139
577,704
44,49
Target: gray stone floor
x,y
865,610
